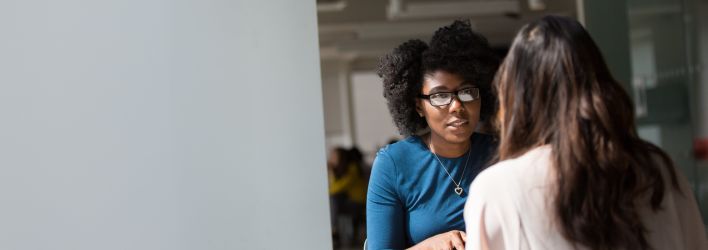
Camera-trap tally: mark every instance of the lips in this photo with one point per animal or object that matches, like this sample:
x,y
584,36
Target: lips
x,y
458,123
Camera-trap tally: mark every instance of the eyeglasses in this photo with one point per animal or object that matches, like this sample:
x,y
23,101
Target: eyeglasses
x,y
445,98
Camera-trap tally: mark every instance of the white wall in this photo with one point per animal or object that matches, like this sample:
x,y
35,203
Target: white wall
x,y
336,100
355,109
373,122
155,124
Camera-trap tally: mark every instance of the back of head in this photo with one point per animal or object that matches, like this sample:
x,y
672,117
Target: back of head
x,y
555,89
356,158
340,161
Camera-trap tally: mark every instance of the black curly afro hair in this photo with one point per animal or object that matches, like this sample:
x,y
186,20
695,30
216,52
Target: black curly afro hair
x,y
455,49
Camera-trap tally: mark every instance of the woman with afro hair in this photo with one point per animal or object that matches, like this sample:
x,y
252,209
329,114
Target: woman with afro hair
x,y
437,95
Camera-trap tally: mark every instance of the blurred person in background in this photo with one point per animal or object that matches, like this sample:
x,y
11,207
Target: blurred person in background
x,y
347,190
436,94
574,174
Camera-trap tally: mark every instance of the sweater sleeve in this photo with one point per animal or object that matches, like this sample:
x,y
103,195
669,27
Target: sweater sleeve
x,y
384,209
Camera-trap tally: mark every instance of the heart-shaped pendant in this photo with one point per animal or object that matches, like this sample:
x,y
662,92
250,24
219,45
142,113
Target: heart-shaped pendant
x,y
458,190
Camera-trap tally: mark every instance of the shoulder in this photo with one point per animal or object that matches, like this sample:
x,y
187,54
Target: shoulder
x,y
493,179
515,176
411,143
383,162
402,158
391,155
401,150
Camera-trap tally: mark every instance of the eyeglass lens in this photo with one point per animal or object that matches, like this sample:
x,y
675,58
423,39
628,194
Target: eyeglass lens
x,y
464,95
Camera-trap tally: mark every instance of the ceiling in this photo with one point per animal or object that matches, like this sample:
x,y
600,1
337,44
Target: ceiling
x,y
360,31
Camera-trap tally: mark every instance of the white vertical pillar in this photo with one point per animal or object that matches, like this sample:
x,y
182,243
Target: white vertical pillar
x,y
156,124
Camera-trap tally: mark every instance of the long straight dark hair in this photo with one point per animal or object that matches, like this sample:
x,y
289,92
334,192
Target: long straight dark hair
x,y
555,89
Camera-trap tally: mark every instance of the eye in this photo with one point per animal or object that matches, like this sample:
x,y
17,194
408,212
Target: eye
x,y
469,94
440,99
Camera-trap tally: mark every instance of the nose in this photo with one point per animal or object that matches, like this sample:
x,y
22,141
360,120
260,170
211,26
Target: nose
x,y
456,105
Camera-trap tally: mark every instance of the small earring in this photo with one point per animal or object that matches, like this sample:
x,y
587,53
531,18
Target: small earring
x,y
420,114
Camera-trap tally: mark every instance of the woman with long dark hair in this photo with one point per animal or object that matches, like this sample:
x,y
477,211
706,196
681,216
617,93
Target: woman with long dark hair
x,y
573,172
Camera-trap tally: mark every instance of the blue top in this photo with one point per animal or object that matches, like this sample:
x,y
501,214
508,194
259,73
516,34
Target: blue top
x,y
410,196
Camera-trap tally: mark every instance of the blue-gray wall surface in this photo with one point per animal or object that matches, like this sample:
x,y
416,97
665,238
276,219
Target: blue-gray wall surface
x,y
155,124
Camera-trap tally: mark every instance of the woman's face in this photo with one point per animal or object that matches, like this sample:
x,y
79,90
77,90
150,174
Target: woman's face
x,y
456,121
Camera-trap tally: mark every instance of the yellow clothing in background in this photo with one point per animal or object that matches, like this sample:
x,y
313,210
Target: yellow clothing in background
x,y
352,183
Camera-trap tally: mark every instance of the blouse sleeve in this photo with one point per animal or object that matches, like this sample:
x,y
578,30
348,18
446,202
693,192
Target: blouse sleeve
x,y
692,226
384,210
482,215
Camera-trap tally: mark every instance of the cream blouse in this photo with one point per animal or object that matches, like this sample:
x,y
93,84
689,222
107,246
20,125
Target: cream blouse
x,y
510,210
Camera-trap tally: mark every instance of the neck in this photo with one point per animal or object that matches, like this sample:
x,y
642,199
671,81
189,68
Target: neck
x,y
443,148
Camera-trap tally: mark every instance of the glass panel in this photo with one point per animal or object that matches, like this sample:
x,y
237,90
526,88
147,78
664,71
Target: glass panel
x,y
662,82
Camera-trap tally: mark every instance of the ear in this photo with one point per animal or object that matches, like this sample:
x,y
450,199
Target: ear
x,y
419,108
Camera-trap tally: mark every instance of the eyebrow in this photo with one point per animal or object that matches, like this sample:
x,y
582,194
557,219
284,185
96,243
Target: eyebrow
x,y
442,88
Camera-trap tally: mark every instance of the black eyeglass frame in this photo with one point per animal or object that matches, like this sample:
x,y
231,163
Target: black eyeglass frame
x,y
455,94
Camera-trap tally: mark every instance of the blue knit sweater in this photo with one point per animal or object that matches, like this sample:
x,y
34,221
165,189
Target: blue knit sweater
x,y
411,198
